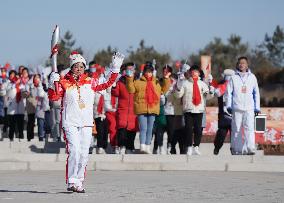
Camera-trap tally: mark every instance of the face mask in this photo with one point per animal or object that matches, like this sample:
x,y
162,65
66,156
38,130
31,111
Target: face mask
x,y
92,70
128,72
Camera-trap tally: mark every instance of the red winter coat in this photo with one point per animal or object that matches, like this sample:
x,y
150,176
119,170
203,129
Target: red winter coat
x,y
126,117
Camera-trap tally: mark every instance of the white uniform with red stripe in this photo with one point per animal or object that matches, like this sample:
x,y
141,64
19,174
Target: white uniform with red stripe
x,y
77,120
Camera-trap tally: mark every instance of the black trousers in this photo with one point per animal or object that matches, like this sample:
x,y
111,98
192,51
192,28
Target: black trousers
x,y
126,138
30,126
179,137
193,124
159,136
6,120
170,128
16,120
220,137
102,133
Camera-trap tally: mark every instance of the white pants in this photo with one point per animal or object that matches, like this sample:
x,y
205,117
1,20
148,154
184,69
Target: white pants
x,y
243,121
78,141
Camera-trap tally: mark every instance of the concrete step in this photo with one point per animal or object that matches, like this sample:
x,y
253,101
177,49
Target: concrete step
x,y
20,161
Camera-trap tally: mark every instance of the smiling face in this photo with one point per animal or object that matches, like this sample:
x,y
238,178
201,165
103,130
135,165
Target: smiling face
x,y
78,69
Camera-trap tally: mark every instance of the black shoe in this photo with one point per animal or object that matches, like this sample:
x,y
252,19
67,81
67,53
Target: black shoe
x,y
40,139
72,189
216,151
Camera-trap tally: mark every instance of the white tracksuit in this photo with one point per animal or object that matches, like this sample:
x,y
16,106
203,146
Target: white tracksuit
x,y
77,121
243,99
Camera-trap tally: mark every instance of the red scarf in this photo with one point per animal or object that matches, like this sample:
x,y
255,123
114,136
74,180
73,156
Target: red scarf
x,y
18,93
196,98
150,94
101,105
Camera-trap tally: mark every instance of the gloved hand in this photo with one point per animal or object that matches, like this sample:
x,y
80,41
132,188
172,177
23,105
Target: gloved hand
x,y
229,109
54,77
211,89
180,81
117,60
209,79
256,112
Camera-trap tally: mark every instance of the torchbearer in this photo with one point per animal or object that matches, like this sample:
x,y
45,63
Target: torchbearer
x,y
77,92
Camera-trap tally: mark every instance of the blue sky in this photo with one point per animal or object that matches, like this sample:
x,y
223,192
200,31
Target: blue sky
x,y
180,27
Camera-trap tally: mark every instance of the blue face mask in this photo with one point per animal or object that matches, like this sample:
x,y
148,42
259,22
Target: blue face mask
x,y
128,72
92,70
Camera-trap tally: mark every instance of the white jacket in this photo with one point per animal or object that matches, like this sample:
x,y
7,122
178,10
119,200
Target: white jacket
x,y
186,93
243,101
12,106
173,105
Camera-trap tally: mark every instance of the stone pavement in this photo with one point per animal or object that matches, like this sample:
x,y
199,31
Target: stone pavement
x,y
144,186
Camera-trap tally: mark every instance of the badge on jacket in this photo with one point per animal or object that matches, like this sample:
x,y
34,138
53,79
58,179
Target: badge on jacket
x,y
244,89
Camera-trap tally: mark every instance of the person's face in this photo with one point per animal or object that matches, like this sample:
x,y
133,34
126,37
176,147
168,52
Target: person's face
x,y
36,79
243,65
11,76
78,69
20,70
195,74
148,74
25,73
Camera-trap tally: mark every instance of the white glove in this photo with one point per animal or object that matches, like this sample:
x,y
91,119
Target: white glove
x,y
185,68
179,83
54,77
162,100
211,89
117,60
209,79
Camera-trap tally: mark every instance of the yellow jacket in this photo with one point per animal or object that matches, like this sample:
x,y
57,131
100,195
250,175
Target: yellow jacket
x,y
138,88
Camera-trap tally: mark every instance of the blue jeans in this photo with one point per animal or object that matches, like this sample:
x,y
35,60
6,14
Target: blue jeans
x,y
146,122
40,125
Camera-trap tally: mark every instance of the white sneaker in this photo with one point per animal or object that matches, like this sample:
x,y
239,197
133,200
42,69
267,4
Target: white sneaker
x,y
101,151
116,150
143,148
122,150
161,150
148,149
196,151
169,150
189,151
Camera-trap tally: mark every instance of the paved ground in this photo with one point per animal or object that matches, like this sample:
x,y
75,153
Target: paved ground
x,y
141,186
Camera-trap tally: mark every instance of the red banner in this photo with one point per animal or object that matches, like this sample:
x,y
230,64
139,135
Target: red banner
x,y
274,133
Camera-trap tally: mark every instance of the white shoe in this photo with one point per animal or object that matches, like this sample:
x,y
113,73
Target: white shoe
x,y
116,150
189,151
101,151
148,149
161,150
169,150
143,148
122,150
196,151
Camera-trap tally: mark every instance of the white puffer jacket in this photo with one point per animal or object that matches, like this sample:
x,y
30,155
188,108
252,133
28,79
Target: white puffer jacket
x,y
14,107
173,105
186,93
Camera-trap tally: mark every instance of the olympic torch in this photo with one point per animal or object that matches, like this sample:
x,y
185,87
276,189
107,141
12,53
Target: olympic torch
x,y
54,52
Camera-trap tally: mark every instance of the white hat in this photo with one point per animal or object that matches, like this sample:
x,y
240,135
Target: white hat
x,y
75,57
